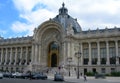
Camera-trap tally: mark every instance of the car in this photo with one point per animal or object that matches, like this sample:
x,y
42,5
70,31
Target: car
x,y
58,77
16,75
99,76
25,75
1,75
7,75
40,76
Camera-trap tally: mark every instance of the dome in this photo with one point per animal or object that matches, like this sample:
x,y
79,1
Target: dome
x,y
65,20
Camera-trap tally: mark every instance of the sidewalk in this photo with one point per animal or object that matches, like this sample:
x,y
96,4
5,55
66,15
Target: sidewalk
x,y
75,80
81,79
71,79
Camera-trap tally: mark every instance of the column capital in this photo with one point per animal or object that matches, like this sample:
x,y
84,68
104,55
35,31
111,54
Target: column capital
x,y
116,40
89,42
98,41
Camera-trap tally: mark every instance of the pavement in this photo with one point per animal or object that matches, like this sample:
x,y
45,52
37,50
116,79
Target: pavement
x,y
73,79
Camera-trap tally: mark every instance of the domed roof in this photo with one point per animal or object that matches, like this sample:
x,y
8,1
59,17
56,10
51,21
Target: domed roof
x,y
65,20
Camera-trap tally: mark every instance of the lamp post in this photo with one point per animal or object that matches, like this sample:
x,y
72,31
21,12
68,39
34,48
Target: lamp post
x,y
69,59
78,55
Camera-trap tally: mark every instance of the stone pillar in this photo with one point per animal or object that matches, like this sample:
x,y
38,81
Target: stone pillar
x,y
21,53
15,56
10,56
6,55
108,57
33,54
39,53
68,48
1,55
89,53
36,53
116,46
64,52
98,49
26,55
81,49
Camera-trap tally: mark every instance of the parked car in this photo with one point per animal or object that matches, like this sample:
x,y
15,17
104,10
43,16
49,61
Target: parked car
x,y
40,76
7,75
25,75
1,75
99,76
58,77
16,75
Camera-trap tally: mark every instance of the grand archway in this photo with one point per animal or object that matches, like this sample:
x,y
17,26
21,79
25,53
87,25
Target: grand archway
x,y
53,60
53,54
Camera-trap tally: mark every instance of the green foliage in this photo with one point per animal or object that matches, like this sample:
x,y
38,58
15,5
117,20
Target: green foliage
x,y
115,73
90,73
107,74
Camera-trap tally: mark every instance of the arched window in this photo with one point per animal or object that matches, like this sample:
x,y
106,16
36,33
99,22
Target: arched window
x,y
53,46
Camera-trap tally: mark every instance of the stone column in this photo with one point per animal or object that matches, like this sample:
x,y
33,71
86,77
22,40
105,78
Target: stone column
x,y
98,49
6,55
26,55
21,53
1,55
108,57
33,54
81,49
39,53
68,48
89,53
116,46
15,56
10,56
36,53
64,52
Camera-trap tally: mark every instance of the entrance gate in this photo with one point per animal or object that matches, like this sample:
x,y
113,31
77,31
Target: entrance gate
x,y
53,55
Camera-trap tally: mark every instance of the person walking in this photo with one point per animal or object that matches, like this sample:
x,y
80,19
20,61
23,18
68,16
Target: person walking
x,y
85,78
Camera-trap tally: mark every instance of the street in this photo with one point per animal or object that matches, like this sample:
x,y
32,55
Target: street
x,y
12,80
50,80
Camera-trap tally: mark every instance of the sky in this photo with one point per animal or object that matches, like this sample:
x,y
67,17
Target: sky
x,y
19,18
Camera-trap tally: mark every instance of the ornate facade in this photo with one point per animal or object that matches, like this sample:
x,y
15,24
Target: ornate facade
x,y
58,39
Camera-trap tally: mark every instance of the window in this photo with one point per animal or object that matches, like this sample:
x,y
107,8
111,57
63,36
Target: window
x,y
103,55
94,55
112,55
85,62
112,69
86,56
102,70
86,53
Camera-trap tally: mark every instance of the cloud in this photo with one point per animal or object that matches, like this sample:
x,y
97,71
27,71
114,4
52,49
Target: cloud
x,y
2,32
19,27
90,13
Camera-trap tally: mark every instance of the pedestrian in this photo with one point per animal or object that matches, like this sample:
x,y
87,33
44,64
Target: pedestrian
x,y
30,75
85,78
81,74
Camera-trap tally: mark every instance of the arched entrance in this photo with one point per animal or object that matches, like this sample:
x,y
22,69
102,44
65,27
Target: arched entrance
x,y
53,54
53,60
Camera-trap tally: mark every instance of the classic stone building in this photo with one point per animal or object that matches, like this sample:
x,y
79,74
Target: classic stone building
x,y
59,39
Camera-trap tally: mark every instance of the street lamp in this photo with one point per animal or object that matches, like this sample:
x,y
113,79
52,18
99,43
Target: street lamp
x,y
78,55
69,59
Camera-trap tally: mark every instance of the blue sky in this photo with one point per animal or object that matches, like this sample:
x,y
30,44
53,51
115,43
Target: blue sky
x,y
7,16
19,17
